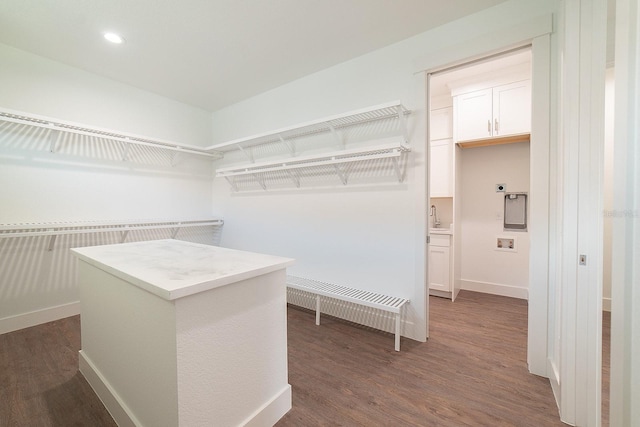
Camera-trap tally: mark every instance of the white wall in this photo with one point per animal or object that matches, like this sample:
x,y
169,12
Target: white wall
x,y
367,238
36,85
85,180
483,268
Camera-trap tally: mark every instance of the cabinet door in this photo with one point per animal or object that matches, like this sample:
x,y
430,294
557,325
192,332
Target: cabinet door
x,y
439,268
512,108
473,115
441,123
441,168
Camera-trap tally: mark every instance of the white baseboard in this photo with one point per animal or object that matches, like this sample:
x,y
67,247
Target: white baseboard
x,y
272,411
38,317
495,289
267,415
554,380
606,304
109,398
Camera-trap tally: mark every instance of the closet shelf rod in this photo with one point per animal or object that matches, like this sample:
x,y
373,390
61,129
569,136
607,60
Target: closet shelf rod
x,y
54,125
52,230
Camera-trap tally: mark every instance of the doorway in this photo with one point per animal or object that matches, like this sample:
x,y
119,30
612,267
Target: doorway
x,y
479,157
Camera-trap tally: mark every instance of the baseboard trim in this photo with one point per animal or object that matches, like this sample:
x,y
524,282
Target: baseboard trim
x,y
271,411
267,415
109,398
38,317
554,380
495,289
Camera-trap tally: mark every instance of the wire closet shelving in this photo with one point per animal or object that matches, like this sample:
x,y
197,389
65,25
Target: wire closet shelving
x,y
296,167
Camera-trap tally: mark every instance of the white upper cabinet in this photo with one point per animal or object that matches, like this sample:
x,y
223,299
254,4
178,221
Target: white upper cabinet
x,y
494,112
441,123
512,108
474,115
441,170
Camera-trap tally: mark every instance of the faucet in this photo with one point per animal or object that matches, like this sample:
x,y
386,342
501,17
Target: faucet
x,y
434,214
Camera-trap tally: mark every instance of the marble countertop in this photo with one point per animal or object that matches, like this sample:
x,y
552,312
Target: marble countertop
x,y
174,269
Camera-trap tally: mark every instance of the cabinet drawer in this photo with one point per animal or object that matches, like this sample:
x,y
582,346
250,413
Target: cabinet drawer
x,y
440,240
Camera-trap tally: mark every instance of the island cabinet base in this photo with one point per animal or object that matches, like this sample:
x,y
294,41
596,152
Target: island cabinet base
x,y
213,358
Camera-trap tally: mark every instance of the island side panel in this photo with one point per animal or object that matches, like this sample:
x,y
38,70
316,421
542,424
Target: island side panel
x,y
232,353
129,346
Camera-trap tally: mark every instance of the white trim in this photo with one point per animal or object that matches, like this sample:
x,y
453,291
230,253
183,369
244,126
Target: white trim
x,y
539,191
38,317
271,411
114,404
495,289
625,268
554,379
497,40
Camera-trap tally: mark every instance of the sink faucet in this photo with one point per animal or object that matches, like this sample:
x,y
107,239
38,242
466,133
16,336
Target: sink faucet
x,y
434,214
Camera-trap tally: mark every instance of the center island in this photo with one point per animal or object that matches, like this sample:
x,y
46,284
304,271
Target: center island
x,y
183,334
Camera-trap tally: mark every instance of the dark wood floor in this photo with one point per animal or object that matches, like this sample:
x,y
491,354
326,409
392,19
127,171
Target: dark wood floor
x,y
471,372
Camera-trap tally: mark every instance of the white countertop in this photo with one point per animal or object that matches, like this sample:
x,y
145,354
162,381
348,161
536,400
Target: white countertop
x,y
173,269
440,231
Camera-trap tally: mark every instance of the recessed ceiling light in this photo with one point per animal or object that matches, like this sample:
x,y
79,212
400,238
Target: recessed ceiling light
x,y
114,38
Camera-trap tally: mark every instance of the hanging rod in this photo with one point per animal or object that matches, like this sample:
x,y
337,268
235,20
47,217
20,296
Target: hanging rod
x,y
57,125
327,124
61,228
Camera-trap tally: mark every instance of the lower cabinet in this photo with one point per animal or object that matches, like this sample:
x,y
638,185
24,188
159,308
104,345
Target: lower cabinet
x,y
439,263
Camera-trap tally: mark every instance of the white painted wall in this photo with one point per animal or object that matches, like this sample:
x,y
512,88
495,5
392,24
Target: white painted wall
x,y
85,182
483,268
371,238
37,85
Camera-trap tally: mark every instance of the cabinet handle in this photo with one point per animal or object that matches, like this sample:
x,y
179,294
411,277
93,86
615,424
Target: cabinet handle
x,y
496,127
489,126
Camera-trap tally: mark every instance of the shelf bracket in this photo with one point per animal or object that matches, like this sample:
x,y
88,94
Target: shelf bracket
x,y
337,135
247,152
341,174
260,180
396,166
52,241
123,235
289,144
400,173
174,158
295,178
125,152
53,139
232,183
403,124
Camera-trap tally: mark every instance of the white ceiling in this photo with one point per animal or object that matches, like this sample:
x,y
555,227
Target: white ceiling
x,y
212,53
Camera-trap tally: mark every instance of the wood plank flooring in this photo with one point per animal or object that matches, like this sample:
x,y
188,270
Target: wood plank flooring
x,y
471,372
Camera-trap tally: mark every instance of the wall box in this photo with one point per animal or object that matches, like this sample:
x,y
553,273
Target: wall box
x,y
515,211
506,244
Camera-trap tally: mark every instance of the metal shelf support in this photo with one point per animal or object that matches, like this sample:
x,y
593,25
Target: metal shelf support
x,y
53,139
